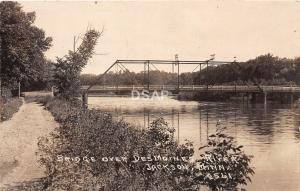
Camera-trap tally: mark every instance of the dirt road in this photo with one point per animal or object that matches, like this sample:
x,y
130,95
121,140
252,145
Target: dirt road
x,y
18,144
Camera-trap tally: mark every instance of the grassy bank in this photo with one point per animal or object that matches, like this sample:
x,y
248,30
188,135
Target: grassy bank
x,y
91,151
9,107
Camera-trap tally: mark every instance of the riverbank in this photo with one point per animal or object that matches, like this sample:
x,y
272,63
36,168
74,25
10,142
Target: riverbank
x,y
87,135
97,151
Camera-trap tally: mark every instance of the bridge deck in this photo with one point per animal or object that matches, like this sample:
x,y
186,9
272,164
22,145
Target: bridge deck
x,y
198,88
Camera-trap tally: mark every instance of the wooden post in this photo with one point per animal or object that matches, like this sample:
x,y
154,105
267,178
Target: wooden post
x,y
85,100
19,89
52,91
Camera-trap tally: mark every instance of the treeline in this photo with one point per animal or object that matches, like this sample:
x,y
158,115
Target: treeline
x,y
263,70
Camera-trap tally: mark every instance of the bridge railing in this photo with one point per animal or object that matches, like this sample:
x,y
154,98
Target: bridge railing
x,y
230,88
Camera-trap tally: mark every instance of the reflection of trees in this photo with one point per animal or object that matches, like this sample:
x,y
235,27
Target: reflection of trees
x,y
296,122
253,119
262,121
248,120
259,121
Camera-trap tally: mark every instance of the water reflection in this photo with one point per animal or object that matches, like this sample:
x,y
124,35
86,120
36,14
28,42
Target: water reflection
x,y
271,134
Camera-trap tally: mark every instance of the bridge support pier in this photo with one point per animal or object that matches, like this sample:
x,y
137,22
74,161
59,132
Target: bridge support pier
x,y
247,98
253,97
265,98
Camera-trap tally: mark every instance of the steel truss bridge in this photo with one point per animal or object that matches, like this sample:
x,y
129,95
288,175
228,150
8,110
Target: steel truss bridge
x,y
122,65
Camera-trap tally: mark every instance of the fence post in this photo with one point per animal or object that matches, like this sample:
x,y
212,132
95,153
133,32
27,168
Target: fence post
x,y
52,91
19,89
85,100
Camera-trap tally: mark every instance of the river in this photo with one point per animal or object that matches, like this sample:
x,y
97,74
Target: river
x,y
270,133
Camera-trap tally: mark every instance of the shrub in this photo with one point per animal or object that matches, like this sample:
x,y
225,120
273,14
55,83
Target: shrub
x,y
92,133
95,135
9,107
223,164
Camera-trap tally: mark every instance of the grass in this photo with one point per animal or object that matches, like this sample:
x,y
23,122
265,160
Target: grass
x,y
9,107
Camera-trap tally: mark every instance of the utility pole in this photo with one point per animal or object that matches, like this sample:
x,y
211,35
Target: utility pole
x,y
144,82
178,71
235,76
212,57
172,68
148,62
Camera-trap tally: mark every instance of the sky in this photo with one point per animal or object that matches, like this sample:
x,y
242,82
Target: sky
x,y
160,29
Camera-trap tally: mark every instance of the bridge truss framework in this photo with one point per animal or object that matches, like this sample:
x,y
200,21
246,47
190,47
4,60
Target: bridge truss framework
x,y
120,64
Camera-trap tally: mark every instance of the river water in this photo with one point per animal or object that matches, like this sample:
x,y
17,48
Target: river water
x,y
270,133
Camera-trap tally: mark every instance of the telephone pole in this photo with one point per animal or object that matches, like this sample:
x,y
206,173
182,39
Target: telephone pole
x,y
178,71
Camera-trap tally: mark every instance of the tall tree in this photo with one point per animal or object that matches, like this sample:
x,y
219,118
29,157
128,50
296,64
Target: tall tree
x,y
22,45
68,68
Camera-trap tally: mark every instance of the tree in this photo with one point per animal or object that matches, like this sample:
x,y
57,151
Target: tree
x,y
68,69
22,45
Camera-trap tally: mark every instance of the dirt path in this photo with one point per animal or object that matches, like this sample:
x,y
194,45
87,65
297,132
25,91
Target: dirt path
x,y
18,144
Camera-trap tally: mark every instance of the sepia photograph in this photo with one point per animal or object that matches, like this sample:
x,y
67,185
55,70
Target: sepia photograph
x,y
150,95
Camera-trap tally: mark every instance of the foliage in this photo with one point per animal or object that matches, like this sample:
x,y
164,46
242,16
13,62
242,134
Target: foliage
x,y
263,70
131,78
67,69
22,45
223,165
9,107
43,81
92,133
